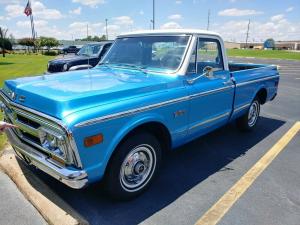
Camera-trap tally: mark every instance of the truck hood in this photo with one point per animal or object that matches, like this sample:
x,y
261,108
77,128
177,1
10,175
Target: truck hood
x,y
73,59
61,94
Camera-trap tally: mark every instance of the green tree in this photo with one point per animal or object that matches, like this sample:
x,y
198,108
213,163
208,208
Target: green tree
x,y
95,38
3,33
48,42
28,42
12,39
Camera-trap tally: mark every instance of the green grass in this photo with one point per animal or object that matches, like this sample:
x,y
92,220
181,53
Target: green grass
x,y
270,54
13,66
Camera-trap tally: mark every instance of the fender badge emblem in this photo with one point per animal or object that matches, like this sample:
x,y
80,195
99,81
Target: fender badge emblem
x,y
22,98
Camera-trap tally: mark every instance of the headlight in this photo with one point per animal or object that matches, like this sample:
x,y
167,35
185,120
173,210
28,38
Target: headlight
x,y
53,142
65,67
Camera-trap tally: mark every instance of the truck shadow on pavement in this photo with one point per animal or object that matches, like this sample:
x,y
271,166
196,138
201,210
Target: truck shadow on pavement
x,y
181,171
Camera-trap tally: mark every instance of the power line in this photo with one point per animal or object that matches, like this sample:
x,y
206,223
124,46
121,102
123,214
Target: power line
x,y
247,34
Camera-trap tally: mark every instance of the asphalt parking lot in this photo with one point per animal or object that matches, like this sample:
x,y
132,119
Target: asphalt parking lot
x,y
196,176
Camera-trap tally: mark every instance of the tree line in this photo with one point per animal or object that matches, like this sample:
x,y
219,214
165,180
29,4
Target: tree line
x,y
6,43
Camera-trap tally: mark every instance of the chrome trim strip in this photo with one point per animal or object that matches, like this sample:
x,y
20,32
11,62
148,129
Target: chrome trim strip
x,y
73,178
201,94
130,112
257,80
84,66
209,120
241,107
148,107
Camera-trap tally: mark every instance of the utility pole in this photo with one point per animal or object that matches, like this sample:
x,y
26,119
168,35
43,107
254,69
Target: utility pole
x,y
87,30
153,16
247,34
106,29
208,19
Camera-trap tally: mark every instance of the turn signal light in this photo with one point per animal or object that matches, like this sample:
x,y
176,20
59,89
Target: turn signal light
x,y
93,140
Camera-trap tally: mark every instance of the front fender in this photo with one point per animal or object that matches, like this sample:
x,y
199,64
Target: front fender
x,y
96,158
130,125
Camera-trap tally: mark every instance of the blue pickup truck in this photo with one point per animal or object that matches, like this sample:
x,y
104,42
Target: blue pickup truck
x,y
152,92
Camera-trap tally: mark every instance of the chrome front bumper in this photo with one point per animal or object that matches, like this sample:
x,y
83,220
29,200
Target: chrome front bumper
x,y
73,178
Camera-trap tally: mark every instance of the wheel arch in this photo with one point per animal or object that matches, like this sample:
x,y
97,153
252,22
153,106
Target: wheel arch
x,y
262,95
154,125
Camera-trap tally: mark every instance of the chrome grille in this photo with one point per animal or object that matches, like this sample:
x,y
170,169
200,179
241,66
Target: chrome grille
x,y
27,127
30,124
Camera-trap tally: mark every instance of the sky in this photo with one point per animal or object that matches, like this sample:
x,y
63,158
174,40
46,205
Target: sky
x,y
68,19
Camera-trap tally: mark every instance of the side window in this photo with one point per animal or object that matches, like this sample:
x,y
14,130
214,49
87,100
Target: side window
x,y
209,54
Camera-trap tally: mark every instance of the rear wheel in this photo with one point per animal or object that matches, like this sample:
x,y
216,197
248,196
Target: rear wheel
x,y
133,166
248,121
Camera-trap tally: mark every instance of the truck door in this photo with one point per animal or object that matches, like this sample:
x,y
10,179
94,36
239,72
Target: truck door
x,y
210,87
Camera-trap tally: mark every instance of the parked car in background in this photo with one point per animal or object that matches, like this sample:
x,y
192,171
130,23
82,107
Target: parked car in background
x,y
152,92
87,57
70,49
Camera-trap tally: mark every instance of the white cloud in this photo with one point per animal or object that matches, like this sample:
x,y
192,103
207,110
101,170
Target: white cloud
x,y
175,17
259,31
39,10
39,24
141,12
90,3
290,9
277,18
76,11
178,2
79,29
14,10
238,12
123,20
170,25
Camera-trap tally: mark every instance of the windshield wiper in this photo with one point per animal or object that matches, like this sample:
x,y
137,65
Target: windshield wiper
x,y
140,68
84,54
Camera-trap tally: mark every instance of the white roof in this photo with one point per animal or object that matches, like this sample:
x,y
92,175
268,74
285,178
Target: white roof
x,y
169,31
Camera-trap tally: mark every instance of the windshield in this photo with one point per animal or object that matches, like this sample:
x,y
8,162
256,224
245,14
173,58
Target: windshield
x,y
90,50
158,53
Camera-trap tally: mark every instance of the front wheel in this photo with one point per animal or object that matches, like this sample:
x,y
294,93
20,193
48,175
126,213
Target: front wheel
x,y
133,166
248,121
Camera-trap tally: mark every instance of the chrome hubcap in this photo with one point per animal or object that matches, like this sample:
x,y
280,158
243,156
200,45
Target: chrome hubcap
x,y
137,168
253,114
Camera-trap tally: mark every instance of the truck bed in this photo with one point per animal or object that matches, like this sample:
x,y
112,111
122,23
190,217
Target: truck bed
x,y
233,67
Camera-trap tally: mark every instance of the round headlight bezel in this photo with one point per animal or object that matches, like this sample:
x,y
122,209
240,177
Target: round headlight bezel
x,y
53,143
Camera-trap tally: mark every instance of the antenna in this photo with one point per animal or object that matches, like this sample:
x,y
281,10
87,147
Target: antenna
x,y
208,19
247,34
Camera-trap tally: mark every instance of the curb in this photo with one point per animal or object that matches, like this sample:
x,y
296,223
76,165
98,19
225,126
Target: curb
x,y
53,209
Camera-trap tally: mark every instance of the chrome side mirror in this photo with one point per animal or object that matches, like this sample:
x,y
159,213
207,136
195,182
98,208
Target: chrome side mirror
x,y
207,72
